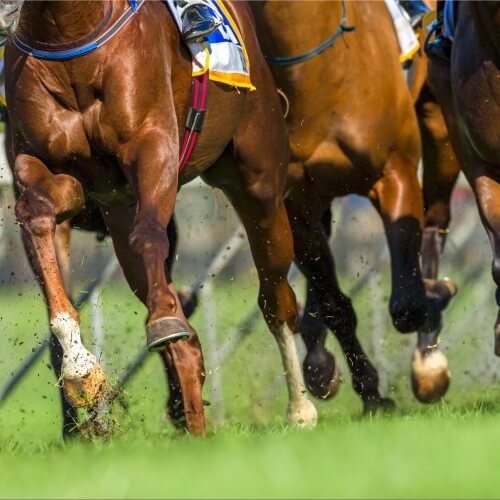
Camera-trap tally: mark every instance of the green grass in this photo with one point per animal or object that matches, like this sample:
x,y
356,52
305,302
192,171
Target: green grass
x,y
447,450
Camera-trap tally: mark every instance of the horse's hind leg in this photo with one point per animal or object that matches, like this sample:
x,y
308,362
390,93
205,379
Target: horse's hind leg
x,y
254,187
312,254
271,243
44,198
441,170
183,360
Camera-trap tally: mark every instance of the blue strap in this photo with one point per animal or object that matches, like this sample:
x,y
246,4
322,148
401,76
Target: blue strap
x,y
64,55
287,61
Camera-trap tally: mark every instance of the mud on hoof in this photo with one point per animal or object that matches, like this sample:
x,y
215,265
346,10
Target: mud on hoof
x,y
372,406
322,374
87,391
164,331
430,376
302,415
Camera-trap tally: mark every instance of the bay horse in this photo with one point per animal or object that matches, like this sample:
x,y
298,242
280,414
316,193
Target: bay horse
x,y
106,127
353,129
468,91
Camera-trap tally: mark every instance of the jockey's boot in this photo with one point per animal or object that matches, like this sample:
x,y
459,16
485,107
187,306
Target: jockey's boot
x,y
416,10
197,20
439,49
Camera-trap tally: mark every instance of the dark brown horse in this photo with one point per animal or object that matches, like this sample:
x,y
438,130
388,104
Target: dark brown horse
x,y
106,127
353,129
469,92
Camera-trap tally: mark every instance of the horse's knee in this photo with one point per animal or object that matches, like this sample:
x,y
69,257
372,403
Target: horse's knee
x,y
35,213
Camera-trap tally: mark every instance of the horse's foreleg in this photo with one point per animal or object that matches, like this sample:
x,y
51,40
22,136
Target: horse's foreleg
x,y
320,371
441,170
151,168
62,239
397,196
313,256
45,199
183,360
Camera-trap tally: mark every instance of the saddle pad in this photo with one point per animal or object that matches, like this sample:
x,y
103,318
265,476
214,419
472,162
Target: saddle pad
x,y
408,41
223,53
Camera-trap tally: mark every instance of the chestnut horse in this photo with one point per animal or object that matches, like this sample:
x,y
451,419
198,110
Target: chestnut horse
x,y
106,126
468,91
353,129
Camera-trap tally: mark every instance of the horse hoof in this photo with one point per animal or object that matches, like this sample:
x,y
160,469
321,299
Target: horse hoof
x,y
322,387
430,376
302,415
163,331
87,391
372,406
321,374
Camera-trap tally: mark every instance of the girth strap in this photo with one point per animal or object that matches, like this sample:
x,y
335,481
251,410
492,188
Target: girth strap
x,y
195,118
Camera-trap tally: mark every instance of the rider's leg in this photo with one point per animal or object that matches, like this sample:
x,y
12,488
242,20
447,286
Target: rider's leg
x,y
197,20
439,49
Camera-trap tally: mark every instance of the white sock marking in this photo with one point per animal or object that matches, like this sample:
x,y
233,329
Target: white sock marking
x,y
301,410
77,361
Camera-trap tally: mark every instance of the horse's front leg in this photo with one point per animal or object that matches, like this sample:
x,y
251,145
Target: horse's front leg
x,y
441,170
142,246
44,200
397,196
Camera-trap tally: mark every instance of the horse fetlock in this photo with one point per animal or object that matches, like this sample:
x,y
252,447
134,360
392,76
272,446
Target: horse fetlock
x,y
302,413
408,310
77,361
430,375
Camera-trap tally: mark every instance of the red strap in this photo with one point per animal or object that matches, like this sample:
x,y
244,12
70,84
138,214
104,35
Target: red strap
x,y
194,121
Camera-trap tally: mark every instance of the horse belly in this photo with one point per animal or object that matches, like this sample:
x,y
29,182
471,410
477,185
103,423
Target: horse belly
x,y
336,173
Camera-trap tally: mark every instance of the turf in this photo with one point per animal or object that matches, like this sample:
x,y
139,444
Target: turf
x,y
447,450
